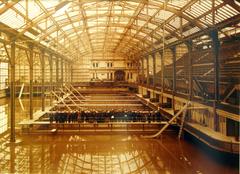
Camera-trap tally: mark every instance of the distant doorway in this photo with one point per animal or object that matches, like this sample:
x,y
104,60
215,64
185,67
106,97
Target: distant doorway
x,y
119,75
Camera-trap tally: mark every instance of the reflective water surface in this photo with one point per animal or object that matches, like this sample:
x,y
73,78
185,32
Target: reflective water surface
x,y
111,154
105,154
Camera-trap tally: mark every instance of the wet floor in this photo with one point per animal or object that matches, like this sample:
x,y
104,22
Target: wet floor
x,y
102,153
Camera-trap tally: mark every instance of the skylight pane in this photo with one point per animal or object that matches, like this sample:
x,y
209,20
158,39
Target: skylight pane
x,y
11,19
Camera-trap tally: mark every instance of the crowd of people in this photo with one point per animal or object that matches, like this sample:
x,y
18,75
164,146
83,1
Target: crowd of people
x,y
103,116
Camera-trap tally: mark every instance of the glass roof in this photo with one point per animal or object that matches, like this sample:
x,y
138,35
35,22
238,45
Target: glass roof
x,y
87,26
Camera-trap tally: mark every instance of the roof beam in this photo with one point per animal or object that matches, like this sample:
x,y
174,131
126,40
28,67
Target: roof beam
x,y
131,21
108,24
83,13
232,4
76,31
7,6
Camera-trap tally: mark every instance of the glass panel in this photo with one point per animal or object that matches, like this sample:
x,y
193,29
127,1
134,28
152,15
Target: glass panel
x,y
11,19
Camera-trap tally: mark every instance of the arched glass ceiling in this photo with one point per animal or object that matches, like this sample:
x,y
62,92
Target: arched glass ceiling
x,y
80,27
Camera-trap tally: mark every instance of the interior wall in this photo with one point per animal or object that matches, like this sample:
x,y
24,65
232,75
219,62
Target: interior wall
x,y
101,67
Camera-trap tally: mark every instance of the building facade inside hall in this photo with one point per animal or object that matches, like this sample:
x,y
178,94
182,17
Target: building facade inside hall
x,y
111,86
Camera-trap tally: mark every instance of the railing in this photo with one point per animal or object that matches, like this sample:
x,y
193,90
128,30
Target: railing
x,y
46,127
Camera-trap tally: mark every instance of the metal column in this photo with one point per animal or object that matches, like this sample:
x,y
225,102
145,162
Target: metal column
x,y
148,80
31,81
154,69
190,71
62,80
43,80
215,53
51,77
65,71
190,74
162,76
174,77
143,79
57,72
71,73
12,92
138,73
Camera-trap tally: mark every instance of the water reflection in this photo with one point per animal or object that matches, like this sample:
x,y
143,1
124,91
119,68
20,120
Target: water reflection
x,y
3,118
21,104
22,111
89,154
102,154
99,154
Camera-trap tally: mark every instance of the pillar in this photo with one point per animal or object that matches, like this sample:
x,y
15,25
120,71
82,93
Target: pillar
x,y
31,81
43,80
65,71
173,77
12,159
138,72
12,92
142,70
51,77
62,73
148,80
215,54
154,69
57,71
71,73
162,75
190,71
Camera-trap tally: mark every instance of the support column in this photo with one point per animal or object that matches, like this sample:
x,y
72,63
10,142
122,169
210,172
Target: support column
x,y
62,80
174,77
148,80
162,75
190,74
215,53
51,77
12,92
31,81
43,80
154,69
71,73
68,72
65,71
190,71
57,71
12,159
138,72
142,70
